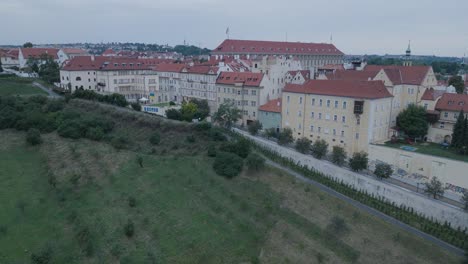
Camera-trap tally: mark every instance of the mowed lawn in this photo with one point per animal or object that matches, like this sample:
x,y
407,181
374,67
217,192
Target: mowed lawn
x,y
182,212
18,86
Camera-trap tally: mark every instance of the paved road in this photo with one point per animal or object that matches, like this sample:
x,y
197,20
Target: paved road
x,y
371,210
45,89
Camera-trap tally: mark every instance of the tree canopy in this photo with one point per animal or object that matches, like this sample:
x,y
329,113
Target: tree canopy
x,y
227,115
458,83
27,45
413,121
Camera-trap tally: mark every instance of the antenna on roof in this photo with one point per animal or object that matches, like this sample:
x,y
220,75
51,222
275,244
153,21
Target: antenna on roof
x,y
227,32
331,38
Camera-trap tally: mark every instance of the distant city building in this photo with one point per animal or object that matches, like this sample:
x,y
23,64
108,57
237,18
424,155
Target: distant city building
x,y
310,55
9,58
65,54
36,53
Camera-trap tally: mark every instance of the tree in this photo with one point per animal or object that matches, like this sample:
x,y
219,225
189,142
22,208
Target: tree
x,y
319,148
188,111
358,161
459,132
155,138
285,137
203,109
254,127
49,71
33,137
27,45
136,106
271,133
458,83
464,200
173,114
227,115
383,170
434,188
255,162
338,155
303,145
241,147
413,121
227,164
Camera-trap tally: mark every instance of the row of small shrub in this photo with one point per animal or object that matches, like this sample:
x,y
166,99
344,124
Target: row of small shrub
x,y
443,231
114,99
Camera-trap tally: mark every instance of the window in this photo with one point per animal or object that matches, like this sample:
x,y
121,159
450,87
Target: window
x,y
311,128
320,102
357,135
358,121
299,113
344,105
343,119
313,101
334,132
327,130
342,133
254,92
312,115
328,103
287,99
445,114
300,100
78,78
442,125
253,103
335,118
455,115
336,104
253,113
327,116
319,129
320,115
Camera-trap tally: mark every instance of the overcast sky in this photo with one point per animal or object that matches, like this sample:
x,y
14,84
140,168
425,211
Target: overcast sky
x,y
357,26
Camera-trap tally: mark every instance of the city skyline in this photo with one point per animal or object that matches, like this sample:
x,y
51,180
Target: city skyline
x,y
360,27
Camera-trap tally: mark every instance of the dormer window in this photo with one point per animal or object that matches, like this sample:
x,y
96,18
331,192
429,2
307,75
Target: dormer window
x,y
461,103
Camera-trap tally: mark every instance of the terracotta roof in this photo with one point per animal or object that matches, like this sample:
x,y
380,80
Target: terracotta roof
x,y
109,52
37,52
351,75
106,63
12,53
341,88
201,69
402,74
169,67
431,94
272,106
247,78
304,73
274,47
74,51
453,102
332,67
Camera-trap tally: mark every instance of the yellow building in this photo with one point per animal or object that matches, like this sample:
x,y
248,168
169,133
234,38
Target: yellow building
x,y
350,114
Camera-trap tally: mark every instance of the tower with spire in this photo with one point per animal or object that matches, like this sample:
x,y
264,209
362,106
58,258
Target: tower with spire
x,y
407,60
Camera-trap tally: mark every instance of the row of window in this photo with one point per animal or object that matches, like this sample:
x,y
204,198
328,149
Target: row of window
x,y
320,102
238,91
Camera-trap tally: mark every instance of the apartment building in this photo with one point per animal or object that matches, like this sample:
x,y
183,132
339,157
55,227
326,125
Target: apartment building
x,y
310,55
169,82
447,108
199,81
350,114
69,53
247,90
9,58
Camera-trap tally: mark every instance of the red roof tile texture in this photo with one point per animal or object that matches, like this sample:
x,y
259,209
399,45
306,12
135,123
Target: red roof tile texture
x,y
74,51
104,63
37,52
247,78
234,46
414,75
351,75
453,102
201,69
341,88
431,94
272,106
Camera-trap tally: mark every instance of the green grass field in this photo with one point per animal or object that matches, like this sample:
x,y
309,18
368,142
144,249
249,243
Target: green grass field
x,y
432,149
181,210
18,86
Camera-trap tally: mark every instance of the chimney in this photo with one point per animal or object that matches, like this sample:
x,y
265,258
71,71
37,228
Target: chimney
x,y
92,57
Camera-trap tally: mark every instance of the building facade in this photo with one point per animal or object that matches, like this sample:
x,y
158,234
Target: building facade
x,y
269,115
350,114
36,53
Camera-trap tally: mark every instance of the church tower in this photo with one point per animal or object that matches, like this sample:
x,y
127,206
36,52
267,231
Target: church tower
x,y
407,60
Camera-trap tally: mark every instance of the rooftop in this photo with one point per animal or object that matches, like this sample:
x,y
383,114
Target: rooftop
x,y
247,78
453,102
272,106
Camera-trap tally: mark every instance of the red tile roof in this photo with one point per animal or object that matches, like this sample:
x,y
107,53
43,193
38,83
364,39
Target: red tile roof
x,y
351,75
453,102
431,94
169,67
247,78
402,74
234,46
201,69
12,53
304,73
341,88
272,106
84,63
109,52
37,52
105,63
74,51
332,67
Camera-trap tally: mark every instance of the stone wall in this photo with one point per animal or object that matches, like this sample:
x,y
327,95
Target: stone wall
x,y
439,211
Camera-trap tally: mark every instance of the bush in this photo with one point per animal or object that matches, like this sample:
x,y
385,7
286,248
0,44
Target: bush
x,y
190,139
216,134
319,148
285,137
173,114
255,162
254,127
241,147
129,229
33,137
359,161
303,145
54,105
337,227
338,155
172,103
136,106
203,126
155,138
211,151
227,164
271,133
71,129
119,141
43,257
94,133
383,170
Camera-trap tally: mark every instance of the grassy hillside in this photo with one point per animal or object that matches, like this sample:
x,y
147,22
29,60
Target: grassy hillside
x,y
180,210
18,86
